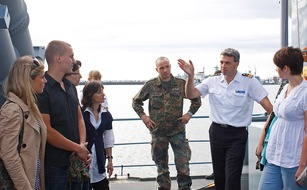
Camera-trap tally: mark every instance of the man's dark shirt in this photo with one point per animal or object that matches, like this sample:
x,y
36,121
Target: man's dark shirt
x,y
62,108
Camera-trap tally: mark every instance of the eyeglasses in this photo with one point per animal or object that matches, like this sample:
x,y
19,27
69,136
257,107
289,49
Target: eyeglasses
x,y
78,63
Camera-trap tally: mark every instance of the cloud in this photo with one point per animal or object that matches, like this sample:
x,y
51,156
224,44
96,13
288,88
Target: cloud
x,y
123,38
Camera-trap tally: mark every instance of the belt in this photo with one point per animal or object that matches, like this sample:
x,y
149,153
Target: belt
x,y
227,126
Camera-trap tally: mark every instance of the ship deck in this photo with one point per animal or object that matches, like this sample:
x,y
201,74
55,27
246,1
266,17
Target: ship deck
x,y
198,183
249,179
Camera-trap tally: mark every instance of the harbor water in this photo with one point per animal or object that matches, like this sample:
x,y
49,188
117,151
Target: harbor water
x,y
120,106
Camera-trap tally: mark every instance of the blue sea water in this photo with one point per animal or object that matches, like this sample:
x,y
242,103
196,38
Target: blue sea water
x,y
120,106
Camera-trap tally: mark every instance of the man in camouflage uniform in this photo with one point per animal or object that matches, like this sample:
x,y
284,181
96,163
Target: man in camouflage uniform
x,y
166,123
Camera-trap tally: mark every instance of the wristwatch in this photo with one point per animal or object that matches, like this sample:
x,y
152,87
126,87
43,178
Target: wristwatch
x,y
190,113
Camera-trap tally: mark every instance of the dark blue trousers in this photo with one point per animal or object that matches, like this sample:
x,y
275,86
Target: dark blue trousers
x,y
227,150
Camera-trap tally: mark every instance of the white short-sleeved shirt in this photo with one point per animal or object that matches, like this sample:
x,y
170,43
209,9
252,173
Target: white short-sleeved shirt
x,y
287,134
232,103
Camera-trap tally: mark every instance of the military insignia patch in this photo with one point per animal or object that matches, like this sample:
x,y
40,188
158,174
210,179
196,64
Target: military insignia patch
x,y
247,75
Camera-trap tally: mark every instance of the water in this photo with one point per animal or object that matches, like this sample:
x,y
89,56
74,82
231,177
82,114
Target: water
x,y
120,106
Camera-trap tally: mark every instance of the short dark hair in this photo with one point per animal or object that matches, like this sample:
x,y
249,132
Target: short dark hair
x,y
290,57
230,52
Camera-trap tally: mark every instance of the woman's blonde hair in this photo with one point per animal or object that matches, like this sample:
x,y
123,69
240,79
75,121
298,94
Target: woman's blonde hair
x,y
22,72
94,75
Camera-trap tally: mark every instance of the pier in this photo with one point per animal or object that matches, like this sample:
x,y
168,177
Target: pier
x,y
119,82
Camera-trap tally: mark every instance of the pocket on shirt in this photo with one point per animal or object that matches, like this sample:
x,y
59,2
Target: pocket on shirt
x,y
176,100
239,99
156,101
215,96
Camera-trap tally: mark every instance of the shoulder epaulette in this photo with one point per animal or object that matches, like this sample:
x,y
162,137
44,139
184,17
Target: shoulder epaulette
x,y
247,75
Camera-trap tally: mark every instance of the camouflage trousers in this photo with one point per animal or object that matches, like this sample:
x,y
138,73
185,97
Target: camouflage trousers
x,y
182,156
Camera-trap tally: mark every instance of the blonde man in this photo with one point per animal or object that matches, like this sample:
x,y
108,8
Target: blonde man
x,y
62,116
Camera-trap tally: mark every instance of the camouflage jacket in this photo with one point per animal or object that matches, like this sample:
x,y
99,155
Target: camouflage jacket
x,y
165,106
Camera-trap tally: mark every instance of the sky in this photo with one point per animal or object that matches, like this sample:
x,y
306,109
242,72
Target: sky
x,y
123,38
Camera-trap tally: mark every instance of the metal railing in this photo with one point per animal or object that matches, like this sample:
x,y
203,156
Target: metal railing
x,y
255,118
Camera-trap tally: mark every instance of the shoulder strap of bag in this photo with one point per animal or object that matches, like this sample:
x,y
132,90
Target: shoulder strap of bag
x,y
21,132
272,114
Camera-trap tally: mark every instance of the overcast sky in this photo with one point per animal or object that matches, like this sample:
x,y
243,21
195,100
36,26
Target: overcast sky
x,y
123,38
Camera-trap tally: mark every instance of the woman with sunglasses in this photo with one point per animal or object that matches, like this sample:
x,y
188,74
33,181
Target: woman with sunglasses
x,y
22,130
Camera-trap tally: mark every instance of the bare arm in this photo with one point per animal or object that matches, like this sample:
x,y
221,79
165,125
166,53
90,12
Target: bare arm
x,y
303,161
261,139
266,104
81,126
58,140
188,68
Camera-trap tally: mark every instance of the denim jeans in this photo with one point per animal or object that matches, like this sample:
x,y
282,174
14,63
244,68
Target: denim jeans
x,y
83,185
56,178
276,178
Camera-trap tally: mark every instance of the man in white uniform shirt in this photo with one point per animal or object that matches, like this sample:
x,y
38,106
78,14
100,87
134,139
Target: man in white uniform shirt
x,y
231,97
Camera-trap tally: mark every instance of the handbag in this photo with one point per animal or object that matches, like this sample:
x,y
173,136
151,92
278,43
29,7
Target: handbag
x,y
263,160
302,179
271,120
5,179
77,170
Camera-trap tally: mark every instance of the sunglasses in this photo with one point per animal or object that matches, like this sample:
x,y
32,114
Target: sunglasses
x,y
36,63
76,66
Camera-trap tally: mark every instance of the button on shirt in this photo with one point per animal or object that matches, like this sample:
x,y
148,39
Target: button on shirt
x,y
62,107
232,103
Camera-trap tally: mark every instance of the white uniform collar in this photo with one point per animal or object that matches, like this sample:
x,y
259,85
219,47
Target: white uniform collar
x,y
238,77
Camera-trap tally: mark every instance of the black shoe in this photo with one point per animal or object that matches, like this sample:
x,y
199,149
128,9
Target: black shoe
x,y
163,188
210,176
